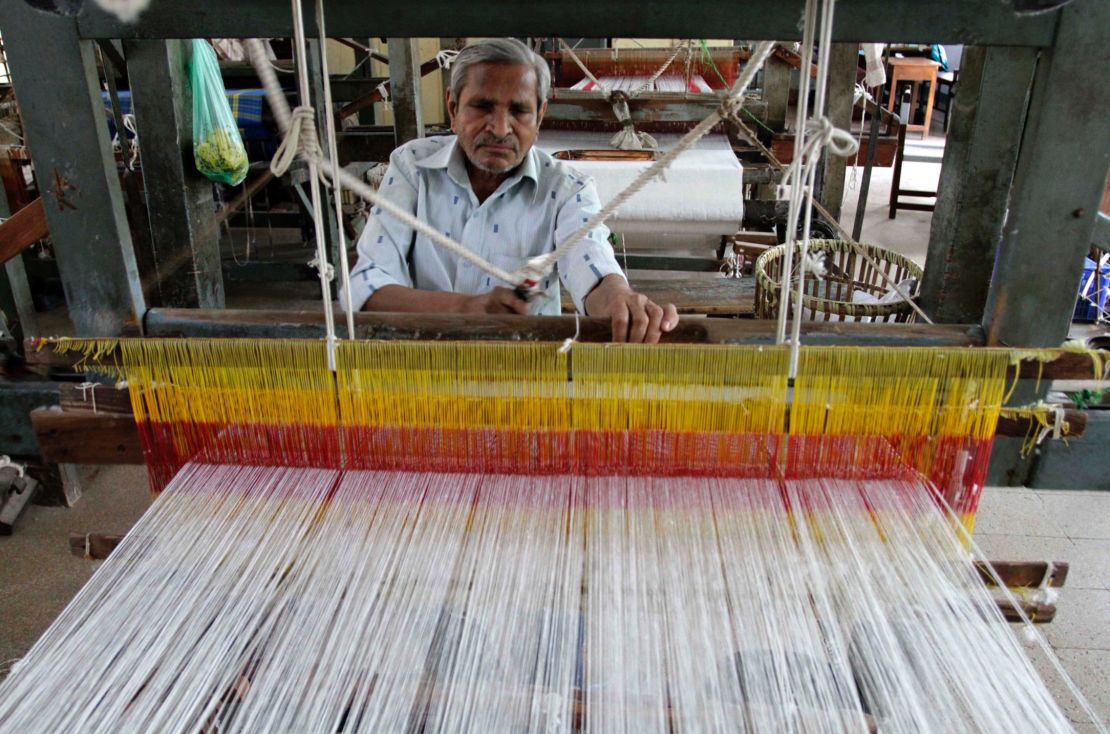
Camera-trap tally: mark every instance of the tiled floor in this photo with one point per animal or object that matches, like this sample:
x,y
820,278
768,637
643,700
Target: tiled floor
x,y
1061,525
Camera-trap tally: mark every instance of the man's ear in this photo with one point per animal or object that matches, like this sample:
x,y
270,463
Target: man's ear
x,y
542,112
452,108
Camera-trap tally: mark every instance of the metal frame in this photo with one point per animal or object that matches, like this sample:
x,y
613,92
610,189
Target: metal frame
x,y
51,55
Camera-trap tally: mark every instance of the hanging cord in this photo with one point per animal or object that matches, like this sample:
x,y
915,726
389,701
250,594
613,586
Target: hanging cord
x,y
819,134
311,146
298,127
337,190
794,174
860,93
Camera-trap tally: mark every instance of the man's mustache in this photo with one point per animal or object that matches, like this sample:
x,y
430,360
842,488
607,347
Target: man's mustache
x,y
494,140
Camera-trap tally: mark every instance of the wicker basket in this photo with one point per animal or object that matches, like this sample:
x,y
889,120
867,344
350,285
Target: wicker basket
x,y
829,298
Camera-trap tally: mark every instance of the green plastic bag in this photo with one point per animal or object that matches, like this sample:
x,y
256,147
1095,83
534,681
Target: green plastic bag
x,y
218,148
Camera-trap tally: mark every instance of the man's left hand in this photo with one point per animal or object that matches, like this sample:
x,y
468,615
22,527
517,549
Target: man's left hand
x,y
634,317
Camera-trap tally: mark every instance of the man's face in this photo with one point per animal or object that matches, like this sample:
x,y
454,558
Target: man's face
x,y
496,117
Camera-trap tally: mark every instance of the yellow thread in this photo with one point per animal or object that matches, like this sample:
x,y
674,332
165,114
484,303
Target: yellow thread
x,y
917,401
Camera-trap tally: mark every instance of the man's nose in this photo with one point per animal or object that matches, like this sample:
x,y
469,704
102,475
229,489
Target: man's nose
x,y
500,123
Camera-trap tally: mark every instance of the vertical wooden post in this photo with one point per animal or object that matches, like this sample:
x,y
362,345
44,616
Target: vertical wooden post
x,y
185,239
55,77
843,65
776,92
1060,177
404,83
980,153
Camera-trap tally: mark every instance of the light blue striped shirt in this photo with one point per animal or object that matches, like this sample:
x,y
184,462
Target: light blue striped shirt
x,y
542,203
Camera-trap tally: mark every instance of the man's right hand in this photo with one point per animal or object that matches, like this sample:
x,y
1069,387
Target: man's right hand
x,y
499,300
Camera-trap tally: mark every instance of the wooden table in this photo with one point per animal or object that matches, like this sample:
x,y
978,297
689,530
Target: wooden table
x,y
914,70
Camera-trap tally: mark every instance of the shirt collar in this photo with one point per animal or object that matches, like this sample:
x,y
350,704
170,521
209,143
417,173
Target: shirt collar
x,y
450,157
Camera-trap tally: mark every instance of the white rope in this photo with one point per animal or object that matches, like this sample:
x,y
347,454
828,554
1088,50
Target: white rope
x,y
7,463
794,173
446,57
337,190
568,343
822,130
300,138
383,92
299,130
589,74
812,136
310,147
89,387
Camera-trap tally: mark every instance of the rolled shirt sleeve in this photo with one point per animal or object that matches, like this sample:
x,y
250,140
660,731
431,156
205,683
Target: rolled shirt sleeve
x,y
383,248
592,258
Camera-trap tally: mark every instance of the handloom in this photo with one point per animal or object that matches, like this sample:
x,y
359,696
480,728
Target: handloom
x,y
518,537
362,536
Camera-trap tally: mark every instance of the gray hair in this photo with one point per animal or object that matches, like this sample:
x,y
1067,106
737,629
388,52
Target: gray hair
x,y
500,51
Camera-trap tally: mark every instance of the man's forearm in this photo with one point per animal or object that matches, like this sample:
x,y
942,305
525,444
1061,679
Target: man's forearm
x,y
401,298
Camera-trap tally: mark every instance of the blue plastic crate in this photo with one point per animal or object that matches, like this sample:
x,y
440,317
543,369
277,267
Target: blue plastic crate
x,y
1085,306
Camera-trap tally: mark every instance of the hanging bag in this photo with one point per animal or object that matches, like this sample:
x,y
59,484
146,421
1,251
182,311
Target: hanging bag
x,y
218,148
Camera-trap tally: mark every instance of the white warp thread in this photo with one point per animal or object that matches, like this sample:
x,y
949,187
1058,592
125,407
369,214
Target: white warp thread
x,y
278,599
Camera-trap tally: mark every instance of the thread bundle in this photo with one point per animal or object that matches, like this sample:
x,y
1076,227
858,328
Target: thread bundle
x,y
478,537
526,408
289,599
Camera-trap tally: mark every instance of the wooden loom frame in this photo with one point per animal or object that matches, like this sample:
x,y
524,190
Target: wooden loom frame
x,y
1038,59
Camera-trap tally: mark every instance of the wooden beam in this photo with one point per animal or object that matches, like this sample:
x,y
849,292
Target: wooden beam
x,y
706,296
96,397
369,325
1023,574
906,21
1076,421
1020,576
258,324
86,437
23,229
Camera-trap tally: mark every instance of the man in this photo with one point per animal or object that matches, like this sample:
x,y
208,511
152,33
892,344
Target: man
x,y
488,188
